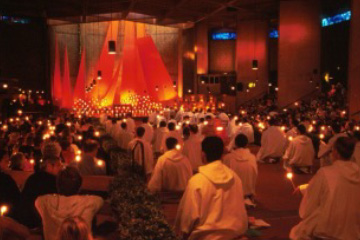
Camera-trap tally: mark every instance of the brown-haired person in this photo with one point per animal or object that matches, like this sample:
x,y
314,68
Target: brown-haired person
x,y
55,208
331,205
90,165
74,228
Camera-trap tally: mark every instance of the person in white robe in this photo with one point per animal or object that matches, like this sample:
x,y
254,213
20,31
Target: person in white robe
x,y
159,136
300,152
172,170
325,149
244,128
172,133
124,136
149,130
192,147
141,152
212,207
273,143
330,208
244,164
130,123
293,133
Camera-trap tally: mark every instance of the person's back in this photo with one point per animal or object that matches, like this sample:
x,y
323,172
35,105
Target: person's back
x,y
192,150
244,164
172,170
74,228
300,152
149,131
55,208
331,204
159,136
90,165
212,207
273,144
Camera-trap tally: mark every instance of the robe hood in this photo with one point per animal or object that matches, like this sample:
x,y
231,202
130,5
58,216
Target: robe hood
x,y
217,172
240,154
303,139
173,155
348,170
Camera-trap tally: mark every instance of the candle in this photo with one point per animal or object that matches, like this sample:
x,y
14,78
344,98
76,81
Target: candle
x,y
3,210
97,134
78,158
290,176
178,147
32,161
290,138
219,129
321,136
100,163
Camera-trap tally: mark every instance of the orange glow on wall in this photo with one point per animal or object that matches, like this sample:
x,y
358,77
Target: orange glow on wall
x,y
67,101
56,86
79,91
155,71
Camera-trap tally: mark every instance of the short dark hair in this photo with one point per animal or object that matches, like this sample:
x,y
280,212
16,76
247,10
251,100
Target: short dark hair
x,y
51,160
345,147
123,125
3,152
186,131
171,143
90,146
171,126
241,140
272,122
336,127
68,181
140,131
194,129
162,124
64,144
301,128
213,147
145,120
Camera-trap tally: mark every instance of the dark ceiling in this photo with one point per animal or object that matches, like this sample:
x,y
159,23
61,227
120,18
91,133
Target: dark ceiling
x,y
220,13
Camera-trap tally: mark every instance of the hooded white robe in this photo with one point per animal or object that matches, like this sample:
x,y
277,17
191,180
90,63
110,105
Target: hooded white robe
x,y
148,158
192,150
246,129
300,152
244,164
331,204
130,123
159,136
149,132
273,144
123,138
172,134
212,207
54,209
171,173
325,149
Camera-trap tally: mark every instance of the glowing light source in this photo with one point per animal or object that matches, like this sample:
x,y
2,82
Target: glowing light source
x,y
219,129
20,112
289,175
97,134
5,86
290,138
338,18
321,136
32,161
100,163
78,158
112,47
255,64
178,147
223,36
3,210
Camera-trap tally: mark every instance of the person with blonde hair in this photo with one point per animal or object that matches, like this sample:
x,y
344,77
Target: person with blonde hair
x,y
74,228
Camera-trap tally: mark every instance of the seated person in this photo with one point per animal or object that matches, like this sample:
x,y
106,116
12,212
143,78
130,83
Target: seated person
x,y
212,206
74,228
300,153
90,165
192,147
67,152
18,162
172,170
55,208
244,164
330,208
38,184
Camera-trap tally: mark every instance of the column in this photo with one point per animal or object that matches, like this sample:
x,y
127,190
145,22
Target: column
x,y
299,49
201,50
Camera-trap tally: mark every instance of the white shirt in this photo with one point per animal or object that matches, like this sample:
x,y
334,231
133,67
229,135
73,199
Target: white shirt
x,y
331,204
172,172
149,132
54,209
212,207
273,143
243,163
300,152
192,150
246,129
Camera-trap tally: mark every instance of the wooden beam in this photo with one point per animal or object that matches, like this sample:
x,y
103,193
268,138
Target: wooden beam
x,y
172,10
128,10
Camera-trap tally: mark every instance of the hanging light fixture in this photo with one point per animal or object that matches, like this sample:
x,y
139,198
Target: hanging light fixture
x,y
111,43
99,75
255,63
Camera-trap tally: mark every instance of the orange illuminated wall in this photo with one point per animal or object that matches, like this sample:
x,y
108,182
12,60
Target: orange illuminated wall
x,y
79,91
354,60
252,43
56,83
299,49
201,48
67,100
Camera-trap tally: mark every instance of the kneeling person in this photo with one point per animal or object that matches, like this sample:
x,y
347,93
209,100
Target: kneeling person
x,y
172,170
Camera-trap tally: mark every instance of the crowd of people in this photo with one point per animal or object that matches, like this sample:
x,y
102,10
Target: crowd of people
x,y
205,155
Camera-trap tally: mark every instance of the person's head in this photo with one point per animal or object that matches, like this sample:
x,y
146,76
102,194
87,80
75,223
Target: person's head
x,y
171,143
68,181
162,124
336,127
272,122
171,126
4,160
140,131
294,122
51,149
145,120
123,125
186,132
74,228
212,148
343,148
241,141
301,129
65,145
52,165
194,129
17,162
91,147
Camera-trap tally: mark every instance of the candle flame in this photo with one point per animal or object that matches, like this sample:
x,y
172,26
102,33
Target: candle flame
x,y
289,175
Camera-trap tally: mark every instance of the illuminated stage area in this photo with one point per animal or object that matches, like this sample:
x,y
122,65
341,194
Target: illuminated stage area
x,y
117,63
